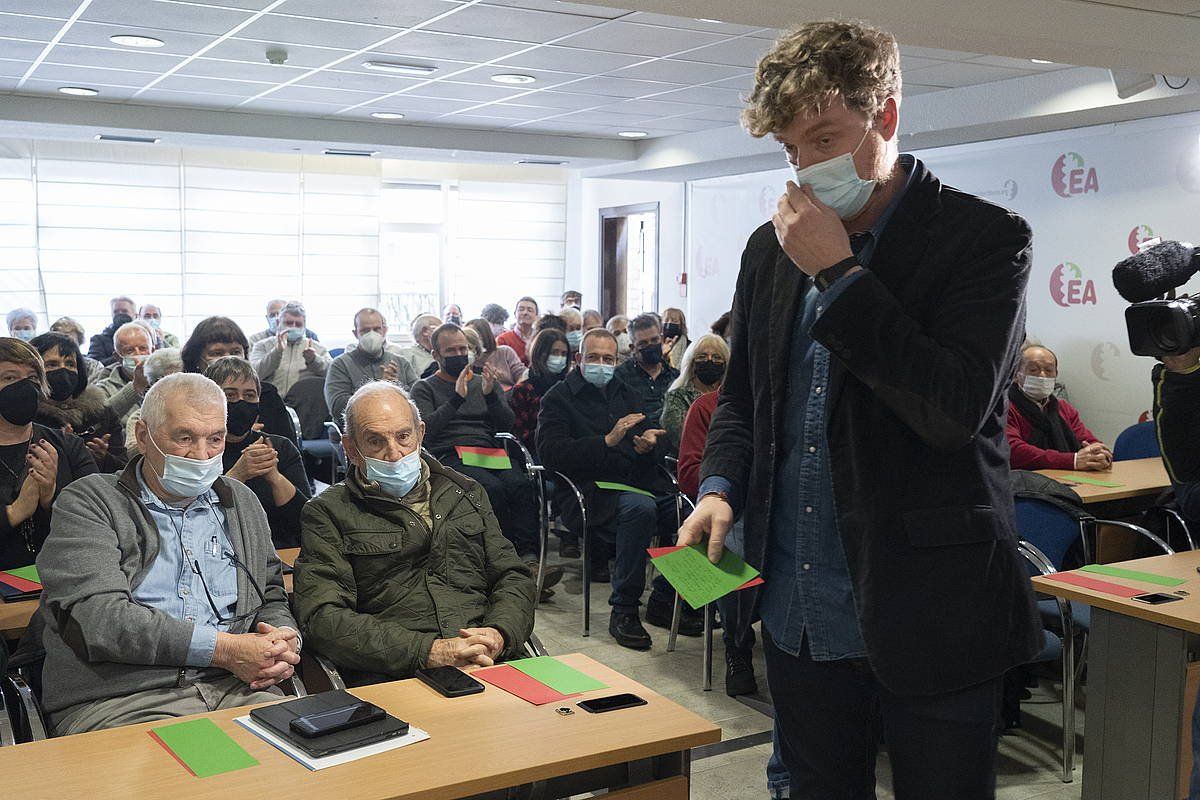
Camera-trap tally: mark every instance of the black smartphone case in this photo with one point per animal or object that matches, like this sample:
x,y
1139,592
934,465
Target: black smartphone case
x,y
277,718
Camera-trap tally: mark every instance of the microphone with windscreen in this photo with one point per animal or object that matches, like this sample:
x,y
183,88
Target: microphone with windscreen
x,y
1155,271
1159,327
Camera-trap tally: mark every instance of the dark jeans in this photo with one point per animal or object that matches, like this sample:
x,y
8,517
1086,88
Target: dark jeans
x,y
630,532
829,713
514,501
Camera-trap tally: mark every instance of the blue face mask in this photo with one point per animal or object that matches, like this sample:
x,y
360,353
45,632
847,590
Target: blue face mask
x,y
556,364
24,334
836,183
574,338
598,375
397,478
294,335
188,477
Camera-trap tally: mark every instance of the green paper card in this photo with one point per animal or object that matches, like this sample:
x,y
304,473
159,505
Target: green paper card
x,y
557,675
700,581
1091,481
203,748
621,487
1132,574
484,457
29,573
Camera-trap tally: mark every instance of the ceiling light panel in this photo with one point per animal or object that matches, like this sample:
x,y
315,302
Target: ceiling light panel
x,y
132,40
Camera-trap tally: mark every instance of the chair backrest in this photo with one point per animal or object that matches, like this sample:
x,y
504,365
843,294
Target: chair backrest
x,y
1137,441
1049,528
337,351
307,397
334,435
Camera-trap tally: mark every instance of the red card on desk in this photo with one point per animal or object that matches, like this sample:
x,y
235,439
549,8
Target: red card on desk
x,y
1091,583
19,583
515,682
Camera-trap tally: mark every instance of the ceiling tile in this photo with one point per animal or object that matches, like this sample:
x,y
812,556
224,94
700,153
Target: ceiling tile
x,y
706,95
376,82
376,12
35,28
96,34
570,59
476,121
562,100
726,115
407,104
8,84
515,24
744,52
559,126
464,91
652,108
120,59
164,16
289,107
240,70
59,9
620,87
249,5
483,76
607,118
685,124
90,76
601,12
743,83
503,111
441,45
297,30
256,52
933,52
184,83
364,115
912,89
1018,63
912,62
687,23
648,40
962,74
684,72
107,93
11,67
158,97
770,34
316,94
24,51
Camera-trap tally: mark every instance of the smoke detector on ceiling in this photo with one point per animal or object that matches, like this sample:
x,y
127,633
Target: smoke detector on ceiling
x,y
277,55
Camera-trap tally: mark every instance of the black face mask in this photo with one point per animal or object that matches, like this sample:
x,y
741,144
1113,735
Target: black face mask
x,y
650,355
454,365
241,416
62,383
454,319
19,401
121,319
709,372
672,330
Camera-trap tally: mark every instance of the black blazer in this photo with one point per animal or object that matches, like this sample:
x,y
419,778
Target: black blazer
x,y
924,346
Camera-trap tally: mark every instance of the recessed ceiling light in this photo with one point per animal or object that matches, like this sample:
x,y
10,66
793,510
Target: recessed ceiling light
x,y
386,115
633,134
1040,61
79,91
356,153
130,40
541,162
114,137
506,77
399,68
704,19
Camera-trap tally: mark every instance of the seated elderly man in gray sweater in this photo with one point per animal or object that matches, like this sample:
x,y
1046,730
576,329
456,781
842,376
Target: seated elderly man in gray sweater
x,y
371,359
163,595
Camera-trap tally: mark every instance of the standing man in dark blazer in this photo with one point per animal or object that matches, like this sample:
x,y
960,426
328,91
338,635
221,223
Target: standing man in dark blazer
x,y
860,436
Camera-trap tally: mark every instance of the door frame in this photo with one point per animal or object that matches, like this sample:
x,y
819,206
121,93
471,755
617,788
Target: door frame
x,y
626,211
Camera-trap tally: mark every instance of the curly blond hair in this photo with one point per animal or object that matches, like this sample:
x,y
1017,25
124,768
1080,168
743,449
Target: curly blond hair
x,y
810,66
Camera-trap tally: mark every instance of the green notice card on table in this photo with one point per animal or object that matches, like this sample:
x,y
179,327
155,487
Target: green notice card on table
x,y
700,581
557,675
29,573
1091,481
612,486
202,748
1132,574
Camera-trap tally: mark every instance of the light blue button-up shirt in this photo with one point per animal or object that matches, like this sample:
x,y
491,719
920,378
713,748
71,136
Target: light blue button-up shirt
x,y
187,537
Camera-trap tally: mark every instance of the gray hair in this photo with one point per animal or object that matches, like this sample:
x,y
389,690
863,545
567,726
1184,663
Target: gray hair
x,y
570,314
613,320
18,314
423,320
196,390
494,313
686,370
229,368
162,363
644,322
373,388
121,299
295,308
136,325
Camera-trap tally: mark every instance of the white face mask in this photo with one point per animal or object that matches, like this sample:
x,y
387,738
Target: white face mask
x,y
1036,388
188,477
623,342
836,183
371,343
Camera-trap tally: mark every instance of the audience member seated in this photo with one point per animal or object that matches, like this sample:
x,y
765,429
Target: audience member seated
x,y
592,319
152,316
147,615
36,462
217,337
160,364
22,324
549,358
508,365
521,333
124,383
452,313
618,326
1045,432
496,315
721,326
72,328
590,429
574,322
418,354
647,374
702,371
675,335
370,360
571,299
273,309
102,347
270,465
289,355
74,407
462,408
403,564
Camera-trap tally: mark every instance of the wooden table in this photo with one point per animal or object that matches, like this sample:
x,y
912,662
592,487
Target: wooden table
x,y
1141,687
1138,478
14,617
479,744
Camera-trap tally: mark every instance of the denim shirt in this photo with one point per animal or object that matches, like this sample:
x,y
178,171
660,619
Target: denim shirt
x,y
195,534
808,588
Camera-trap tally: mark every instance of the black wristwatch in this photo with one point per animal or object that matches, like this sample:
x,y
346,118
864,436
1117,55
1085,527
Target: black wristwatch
x,y
828,276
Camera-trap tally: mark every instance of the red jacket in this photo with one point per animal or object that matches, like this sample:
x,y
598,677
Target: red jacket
x,y
1025,456
691,442
514,340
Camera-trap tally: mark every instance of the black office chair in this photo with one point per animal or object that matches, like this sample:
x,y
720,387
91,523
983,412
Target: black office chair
x,y
8,736
535,472
338,463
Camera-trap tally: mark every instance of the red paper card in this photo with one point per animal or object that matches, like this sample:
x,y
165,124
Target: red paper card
x,y
20,584
655,552
515,682
1092,583
752,582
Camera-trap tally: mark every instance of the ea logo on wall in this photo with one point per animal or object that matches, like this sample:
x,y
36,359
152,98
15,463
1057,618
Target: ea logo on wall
x,y
1101,355
1068,287
1140,234
704,266
1070,176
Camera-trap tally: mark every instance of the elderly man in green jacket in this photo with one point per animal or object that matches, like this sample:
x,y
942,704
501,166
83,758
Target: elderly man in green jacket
x,y
403,564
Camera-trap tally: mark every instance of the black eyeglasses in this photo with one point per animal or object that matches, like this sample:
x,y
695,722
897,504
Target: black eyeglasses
x,y
250,615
